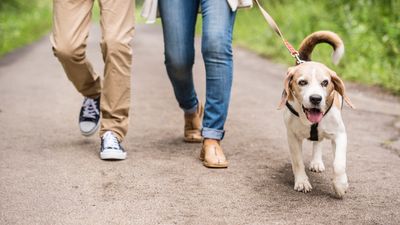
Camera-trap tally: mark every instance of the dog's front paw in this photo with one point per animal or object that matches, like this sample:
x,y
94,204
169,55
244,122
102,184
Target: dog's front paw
x,y
317,166
302,185
340,185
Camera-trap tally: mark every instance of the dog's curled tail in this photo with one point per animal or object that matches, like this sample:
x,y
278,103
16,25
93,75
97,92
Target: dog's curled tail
x,y
308,44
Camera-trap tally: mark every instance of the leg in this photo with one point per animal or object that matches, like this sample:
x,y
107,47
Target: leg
x,y
218,20
340,182
71,21
316,164
301,182
117,23
178,19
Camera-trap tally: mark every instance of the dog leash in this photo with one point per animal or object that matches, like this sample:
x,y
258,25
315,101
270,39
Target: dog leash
x,y
271,22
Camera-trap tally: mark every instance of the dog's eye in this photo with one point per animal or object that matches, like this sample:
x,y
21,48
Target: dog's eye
x,y
324,83
303,83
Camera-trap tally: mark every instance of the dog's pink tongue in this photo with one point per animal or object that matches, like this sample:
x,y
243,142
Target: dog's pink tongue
x,y
314,116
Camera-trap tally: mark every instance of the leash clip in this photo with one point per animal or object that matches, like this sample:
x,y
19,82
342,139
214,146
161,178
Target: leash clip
x,y
297,57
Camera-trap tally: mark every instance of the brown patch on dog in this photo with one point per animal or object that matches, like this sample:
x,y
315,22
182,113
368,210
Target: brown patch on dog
x,y
340,88
331,95
296,90
308,44
286,95
337,102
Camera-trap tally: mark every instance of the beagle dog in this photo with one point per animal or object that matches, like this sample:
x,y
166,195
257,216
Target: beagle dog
x,y
313,97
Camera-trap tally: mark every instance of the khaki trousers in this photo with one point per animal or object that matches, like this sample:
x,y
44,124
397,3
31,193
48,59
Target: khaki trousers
x,y
71,22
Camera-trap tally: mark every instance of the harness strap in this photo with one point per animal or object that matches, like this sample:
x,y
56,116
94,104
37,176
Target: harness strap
x,y
291,109
314,132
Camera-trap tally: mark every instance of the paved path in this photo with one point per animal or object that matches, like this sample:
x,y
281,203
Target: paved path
x,y
50,174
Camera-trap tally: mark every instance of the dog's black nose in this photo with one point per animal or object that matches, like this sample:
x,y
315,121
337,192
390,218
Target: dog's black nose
x,y
315,99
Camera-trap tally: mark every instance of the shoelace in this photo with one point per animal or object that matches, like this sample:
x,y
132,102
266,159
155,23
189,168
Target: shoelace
x,y
90,109
110,141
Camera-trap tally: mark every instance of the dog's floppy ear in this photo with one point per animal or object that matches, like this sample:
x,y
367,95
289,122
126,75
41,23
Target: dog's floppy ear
x,y
340,88
286,84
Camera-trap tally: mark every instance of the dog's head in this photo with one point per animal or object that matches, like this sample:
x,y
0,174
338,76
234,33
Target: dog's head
x,y
312,85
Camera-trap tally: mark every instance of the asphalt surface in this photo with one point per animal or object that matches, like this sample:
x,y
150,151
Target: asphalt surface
x,y
50,174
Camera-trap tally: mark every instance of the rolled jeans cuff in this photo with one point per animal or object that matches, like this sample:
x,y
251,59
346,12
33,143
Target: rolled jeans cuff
x,y
191,110
212,133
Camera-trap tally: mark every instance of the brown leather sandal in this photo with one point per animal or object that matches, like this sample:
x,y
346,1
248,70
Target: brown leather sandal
x,y
212,154
192,130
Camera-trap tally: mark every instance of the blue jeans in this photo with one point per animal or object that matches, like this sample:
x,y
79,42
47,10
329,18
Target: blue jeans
x,y
178,20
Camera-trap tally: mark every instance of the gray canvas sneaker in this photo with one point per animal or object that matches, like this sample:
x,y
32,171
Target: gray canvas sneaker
x,y
111,148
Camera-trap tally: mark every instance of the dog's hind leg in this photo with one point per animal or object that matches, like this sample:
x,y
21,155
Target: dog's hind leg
x,y
301,182
340,182
316,164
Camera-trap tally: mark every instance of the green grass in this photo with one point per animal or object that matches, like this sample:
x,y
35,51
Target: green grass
x,y
370,30
22,22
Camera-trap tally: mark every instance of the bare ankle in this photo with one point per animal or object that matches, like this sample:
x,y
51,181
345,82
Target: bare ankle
x,y
211,141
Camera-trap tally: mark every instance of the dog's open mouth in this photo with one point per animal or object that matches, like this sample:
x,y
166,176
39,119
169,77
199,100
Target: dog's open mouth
x,y
314,115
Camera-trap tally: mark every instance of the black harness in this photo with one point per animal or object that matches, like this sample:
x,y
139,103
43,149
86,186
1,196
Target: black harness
x,y
314,127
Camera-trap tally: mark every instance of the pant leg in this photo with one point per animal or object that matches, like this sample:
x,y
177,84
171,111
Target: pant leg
x,y
218,20
117,24
178,19
71,19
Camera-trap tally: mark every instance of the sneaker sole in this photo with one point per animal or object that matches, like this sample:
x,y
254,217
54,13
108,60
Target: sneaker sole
x,y
91,132
113,155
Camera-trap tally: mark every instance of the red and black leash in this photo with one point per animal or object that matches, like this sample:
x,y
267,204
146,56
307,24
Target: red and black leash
x,y
296,55
275,27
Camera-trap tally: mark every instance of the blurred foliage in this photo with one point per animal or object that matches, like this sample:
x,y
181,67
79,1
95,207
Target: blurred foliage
x,y
22,22
370,30
139,3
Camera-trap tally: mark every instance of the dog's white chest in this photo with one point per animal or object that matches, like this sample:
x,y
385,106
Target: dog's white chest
x,y
329,126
